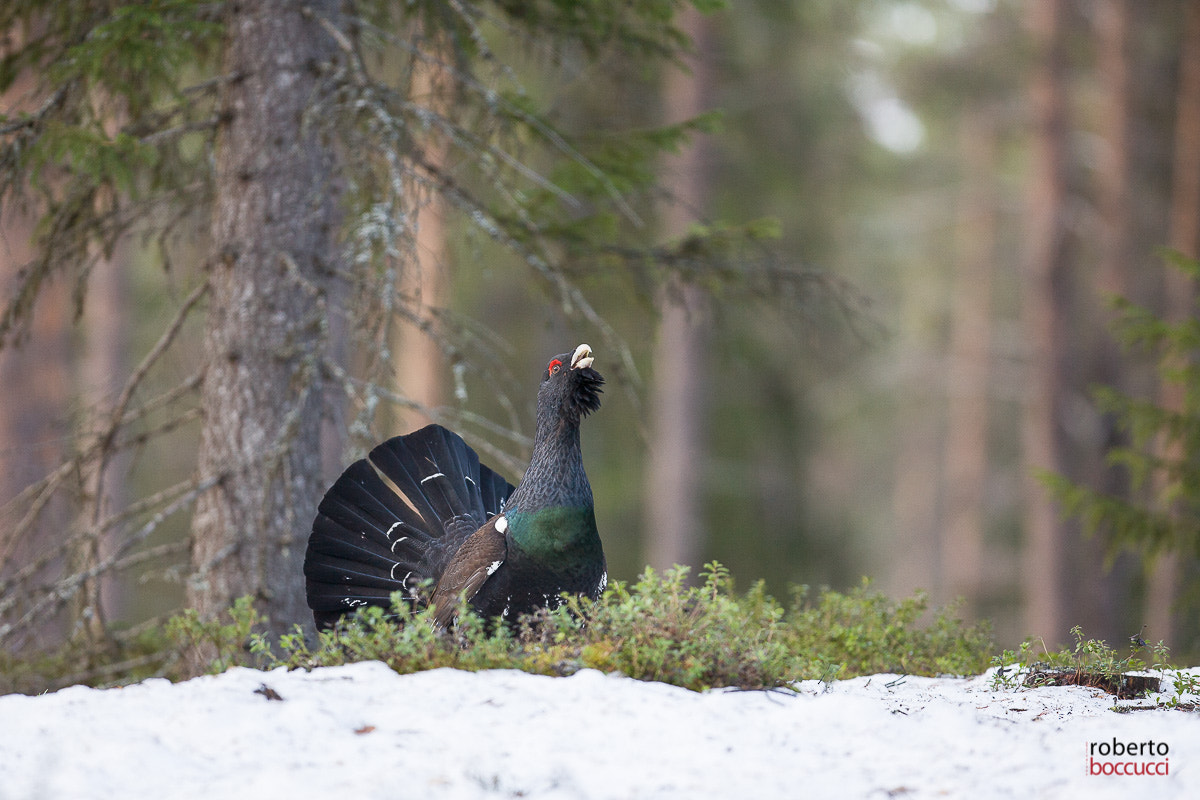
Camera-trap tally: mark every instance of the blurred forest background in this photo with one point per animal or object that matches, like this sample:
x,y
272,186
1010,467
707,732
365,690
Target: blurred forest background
x,y
960,189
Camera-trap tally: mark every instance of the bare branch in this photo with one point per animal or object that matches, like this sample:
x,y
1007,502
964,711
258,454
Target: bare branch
x,y
65,588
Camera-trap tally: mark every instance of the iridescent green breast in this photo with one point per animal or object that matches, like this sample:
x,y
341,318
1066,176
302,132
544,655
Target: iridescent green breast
x,y
558,535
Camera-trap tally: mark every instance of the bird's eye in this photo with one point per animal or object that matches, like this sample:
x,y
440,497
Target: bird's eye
x,y
554,366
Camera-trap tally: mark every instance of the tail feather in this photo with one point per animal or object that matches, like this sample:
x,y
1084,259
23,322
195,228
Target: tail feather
x,y
330,603
360,501
436,469
337,571
361,555
372,536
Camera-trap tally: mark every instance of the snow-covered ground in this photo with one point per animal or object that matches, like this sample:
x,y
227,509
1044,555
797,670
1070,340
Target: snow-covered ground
x,y
362,731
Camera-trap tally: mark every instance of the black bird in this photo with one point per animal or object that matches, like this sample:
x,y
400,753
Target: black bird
x,y
423,508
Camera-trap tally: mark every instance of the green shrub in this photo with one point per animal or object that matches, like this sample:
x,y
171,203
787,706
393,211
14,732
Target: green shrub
x,y
865,632
1091,662
660,628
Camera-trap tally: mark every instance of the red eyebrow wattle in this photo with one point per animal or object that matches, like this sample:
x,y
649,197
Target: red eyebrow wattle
x,y
553,364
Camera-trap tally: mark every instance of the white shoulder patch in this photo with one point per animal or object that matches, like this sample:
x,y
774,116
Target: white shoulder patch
x,y
495,565
501,525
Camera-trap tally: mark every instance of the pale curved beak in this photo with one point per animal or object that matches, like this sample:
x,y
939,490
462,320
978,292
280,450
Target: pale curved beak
x,y
582,359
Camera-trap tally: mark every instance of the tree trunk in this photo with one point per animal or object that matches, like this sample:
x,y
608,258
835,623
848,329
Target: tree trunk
x,y
1115,185
1042,312
420,362
273,258
673,519
101,376
966,456
35,385
1184,236
101,373
1095,587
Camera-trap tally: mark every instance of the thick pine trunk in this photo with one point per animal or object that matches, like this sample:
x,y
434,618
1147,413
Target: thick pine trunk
x,y
1042,318
273,257
673,519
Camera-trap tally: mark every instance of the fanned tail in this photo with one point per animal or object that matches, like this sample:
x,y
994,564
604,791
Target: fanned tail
x,y
394,519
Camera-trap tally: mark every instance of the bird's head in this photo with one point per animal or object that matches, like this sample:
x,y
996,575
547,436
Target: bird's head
x,y
570,387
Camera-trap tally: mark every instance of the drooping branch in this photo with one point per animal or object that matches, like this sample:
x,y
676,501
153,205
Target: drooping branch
x,y
63,590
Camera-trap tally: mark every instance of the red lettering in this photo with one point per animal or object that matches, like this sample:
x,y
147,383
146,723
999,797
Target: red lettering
x,y
1130,750
1129,767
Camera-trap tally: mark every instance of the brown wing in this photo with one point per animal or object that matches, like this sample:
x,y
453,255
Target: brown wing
x,y
480,555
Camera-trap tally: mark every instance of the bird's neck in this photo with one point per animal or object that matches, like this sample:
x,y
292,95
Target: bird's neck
x,y
555,478
551,516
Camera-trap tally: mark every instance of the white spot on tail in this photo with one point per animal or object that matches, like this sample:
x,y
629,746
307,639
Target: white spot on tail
x,y
603,584
495,565
501,525
431,477
395,525
470,480
398,541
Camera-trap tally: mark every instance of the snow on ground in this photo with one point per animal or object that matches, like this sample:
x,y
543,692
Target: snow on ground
x,y
362,731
